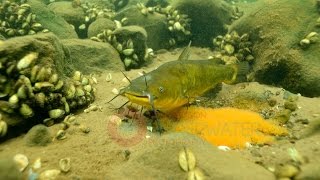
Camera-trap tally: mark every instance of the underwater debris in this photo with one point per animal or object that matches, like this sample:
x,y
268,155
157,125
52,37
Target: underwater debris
x,y
18,20
224,126
233,48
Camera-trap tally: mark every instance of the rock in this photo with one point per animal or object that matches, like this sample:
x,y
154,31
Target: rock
x,y
154,24
88,56
99,25
38,135
162,156
47,44
49,20
208,18
9,170
138,35
74,16
283,62
309,171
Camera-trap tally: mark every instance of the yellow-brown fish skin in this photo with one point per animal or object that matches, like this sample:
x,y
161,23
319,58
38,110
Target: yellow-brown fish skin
x,y
176,83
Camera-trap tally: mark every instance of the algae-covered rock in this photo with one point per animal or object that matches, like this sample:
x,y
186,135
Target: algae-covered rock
x,y
99,25
280,60
51,21
161,161
208,18
38,135
73,15
89,56
155,24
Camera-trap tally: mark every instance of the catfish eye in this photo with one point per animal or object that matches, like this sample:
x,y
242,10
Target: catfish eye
x,y
161,89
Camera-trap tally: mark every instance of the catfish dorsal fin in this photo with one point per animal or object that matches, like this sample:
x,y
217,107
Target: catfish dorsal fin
x,y
185,53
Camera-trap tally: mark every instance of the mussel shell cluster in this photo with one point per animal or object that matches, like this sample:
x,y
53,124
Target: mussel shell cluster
x,y
125,47
236,13
92,12
309,39
233,48
18,20
178,24
36,91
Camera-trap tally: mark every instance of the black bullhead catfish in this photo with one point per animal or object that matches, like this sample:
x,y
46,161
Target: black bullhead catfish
x,y
176,83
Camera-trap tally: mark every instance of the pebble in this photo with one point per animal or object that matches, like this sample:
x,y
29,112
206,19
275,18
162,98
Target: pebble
x,y
50,174
115,91
84,129
224,148
286,171
272,102
38,135
292,106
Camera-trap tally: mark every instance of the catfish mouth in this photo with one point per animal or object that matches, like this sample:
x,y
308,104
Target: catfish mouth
x,y
138,99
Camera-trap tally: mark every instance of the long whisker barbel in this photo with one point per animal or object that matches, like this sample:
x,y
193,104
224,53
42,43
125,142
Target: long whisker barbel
x,y
125,76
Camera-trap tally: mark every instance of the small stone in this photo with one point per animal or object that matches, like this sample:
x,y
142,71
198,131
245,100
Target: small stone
x,y
37,164
49,174
292,106
38,135
283,116
84,129
286,171
272,102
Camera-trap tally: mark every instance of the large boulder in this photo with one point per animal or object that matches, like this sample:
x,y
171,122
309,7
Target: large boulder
x,y
155,24
73,15
209,18
89,56
51,21
161,161
276,29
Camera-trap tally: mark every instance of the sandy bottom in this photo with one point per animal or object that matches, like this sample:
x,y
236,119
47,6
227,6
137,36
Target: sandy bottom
x,y
97,154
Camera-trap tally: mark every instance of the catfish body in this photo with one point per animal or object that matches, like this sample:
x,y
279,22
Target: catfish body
x,y
176,83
